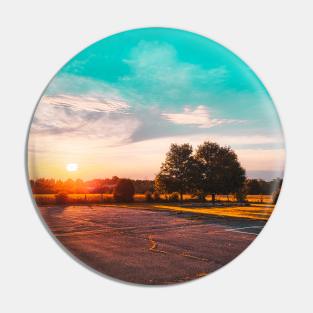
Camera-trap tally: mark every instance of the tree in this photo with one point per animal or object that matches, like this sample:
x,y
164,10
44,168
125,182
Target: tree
x,y
275,185
275,195
148,196
253,187
220,170
61,198
80,186
114,180
124,190
44,185
177,173
69,186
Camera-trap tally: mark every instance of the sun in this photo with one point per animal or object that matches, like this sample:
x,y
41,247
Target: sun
x,y
71,167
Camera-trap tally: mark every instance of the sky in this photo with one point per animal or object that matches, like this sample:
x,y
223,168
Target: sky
x,y
115,108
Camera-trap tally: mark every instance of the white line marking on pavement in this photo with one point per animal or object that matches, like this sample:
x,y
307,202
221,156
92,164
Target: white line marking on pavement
x,y
238,230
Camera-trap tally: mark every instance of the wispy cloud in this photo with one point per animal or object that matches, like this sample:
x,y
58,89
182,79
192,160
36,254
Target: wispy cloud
x,y
200,116
86,103
84,117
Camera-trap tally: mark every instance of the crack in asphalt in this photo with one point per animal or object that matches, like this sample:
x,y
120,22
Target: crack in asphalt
x,y
154,245
154,248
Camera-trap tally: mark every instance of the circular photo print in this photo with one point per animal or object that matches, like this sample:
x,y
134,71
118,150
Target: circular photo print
x,y
155,156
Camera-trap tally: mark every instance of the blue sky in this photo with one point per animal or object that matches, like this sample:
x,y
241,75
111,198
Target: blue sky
x,y
153,86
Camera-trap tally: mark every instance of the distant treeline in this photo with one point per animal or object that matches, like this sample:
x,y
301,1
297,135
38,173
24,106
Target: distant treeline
x,y
209,170
78,186
262,187
107,186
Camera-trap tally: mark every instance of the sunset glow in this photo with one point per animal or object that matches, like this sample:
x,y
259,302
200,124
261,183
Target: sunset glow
x,y
122,121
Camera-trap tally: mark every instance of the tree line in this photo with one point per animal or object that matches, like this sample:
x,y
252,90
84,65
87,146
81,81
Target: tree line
x,y
78,186
209,170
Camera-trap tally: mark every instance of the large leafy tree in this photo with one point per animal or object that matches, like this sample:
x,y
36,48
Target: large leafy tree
x,y
220,170
178,172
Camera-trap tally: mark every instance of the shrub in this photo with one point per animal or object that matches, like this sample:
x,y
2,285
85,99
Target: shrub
x,y
42,200
148,196
174,197
156,196
275,196
124,191
61,198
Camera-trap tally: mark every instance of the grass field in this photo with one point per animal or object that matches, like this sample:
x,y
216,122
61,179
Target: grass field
x,y
253,211
43,199
250,212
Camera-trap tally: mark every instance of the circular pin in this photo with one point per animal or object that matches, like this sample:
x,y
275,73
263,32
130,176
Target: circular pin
x,y
155,156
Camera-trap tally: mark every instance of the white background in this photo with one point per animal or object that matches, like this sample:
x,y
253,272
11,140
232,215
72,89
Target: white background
x,y
274,38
